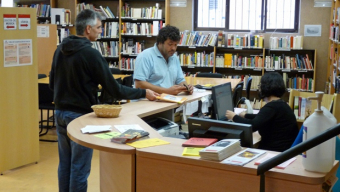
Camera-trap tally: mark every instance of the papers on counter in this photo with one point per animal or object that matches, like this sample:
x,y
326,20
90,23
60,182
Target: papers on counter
x,y
95,128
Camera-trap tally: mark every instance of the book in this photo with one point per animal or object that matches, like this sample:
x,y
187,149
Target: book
x,y
129,136
199,142
244,157
191,151
171,98
221,149
271,155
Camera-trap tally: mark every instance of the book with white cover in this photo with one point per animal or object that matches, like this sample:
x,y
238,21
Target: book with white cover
x,y
244,157
221,149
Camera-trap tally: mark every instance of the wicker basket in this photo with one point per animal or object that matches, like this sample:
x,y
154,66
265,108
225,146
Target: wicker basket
x,y
107,110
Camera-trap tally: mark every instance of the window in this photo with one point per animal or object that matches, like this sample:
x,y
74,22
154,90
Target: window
x,y
246,15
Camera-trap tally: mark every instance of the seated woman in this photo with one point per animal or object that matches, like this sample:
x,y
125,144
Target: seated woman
x,y
275,121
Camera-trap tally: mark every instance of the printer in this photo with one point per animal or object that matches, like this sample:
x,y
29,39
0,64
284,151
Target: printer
x,y
164,126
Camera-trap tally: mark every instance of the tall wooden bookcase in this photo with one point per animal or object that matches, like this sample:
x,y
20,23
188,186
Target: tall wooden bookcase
x,y
333,67
19,120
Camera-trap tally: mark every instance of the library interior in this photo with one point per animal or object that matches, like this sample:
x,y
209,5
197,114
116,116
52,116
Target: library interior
x,y
229,129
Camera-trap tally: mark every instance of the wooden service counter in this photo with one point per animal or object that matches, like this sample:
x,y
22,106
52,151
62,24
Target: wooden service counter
x,y
162,168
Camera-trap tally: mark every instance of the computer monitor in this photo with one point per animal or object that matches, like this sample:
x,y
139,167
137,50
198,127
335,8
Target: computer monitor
x,y
222,97
211,128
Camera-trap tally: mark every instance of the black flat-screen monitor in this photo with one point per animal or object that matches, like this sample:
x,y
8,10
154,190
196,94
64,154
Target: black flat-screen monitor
x,y
211,128
222,97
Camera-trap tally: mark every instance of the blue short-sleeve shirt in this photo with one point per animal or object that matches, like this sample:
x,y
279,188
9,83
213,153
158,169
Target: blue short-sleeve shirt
x,y
152,67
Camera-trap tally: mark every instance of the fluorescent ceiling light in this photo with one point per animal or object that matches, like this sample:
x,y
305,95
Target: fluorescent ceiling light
x,y
322,3
178,3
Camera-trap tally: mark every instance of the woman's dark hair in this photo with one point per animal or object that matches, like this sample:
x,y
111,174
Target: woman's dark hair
x,y
168,32
272,85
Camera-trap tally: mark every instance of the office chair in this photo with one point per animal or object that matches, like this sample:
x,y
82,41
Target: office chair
x,y
115,71
210,75
46,103
40,76
128,81
248,86
237,95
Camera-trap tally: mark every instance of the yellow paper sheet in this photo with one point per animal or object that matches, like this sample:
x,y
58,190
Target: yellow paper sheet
x,y
108,135
192,151
148,143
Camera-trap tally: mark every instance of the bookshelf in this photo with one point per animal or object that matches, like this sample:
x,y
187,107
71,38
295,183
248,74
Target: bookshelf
x,y
297,67
121,49
333,66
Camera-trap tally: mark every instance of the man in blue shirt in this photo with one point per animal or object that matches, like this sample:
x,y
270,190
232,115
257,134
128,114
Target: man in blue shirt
x,y
158,69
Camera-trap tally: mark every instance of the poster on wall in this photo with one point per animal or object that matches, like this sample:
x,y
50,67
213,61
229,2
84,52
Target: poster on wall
x,y
17,52
312,30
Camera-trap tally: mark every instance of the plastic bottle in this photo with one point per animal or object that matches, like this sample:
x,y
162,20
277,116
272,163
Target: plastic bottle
x,y
320,158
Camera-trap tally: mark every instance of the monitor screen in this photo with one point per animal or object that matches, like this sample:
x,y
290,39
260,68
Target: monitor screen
x,y
222,97
211,128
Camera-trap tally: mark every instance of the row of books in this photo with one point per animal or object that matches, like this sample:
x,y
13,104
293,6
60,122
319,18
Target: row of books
x,y
247,41
254,83
43,10
106,49
131,47
302,107
146,13
198,59
62,33
110,30
235,61
337,84
127,64
336,15
299,62
334,33
107,12
151,29
197,39
299,83
104,12
153,12
288,42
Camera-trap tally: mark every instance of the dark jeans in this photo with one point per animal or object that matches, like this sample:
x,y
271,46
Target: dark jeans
x,y
74,159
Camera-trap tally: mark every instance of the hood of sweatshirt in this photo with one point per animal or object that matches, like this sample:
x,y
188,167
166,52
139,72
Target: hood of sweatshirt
x,y
73,44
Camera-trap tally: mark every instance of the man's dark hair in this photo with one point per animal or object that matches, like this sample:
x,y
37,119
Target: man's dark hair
x,y
272,85
85,18
168,32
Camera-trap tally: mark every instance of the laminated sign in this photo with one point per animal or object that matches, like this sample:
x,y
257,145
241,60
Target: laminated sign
x,y
24,21
10,21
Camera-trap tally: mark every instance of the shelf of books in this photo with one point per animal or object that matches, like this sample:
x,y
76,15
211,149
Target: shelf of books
x,y
43,8
128,28
297,67
333,69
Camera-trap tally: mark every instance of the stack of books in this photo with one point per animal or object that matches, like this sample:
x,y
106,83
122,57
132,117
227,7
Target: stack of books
x,y
129,136
221,150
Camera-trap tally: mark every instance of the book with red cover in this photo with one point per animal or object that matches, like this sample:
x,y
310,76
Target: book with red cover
x,y
199,142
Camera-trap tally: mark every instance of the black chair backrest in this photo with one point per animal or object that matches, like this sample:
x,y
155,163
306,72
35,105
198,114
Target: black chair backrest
x,y
45,93
128,81
248,86
237,95
210,75
40,76
115,71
